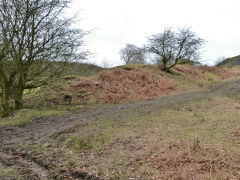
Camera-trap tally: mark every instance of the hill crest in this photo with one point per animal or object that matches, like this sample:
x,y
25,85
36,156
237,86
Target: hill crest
x,y
230,62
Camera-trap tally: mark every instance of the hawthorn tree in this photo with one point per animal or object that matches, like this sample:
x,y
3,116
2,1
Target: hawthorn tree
x,y
132,54
172,46
36,41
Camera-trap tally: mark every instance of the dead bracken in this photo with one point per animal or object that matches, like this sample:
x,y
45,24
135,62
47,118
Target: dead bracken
x,y
120,85
184,161
197,72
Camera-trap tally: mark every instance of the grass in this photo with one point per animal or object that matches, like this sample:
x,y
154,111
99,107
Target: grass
x,y
81,69
95,136
208,119
213,121
24,116
229,61
56,89
123,145
99,86
5,172
31,91
189,122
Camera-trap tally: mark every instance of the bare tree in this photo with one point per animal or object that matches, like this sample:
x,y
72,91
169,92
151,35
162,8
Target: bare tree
x,y
220,60
171,46
132,54
36,41
106,63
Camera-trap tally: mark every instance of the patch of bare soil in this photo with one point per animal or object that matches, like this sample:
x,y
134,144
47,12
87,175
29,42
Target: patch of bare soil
x,y
191,161
122,85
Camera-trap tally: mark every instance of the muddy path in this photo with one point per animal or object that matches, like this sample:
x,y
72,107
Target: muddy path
x,y
14,139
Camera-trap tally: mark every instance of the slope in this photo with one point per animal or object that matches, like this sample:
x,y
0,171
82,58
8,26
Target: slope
x,y
183,136
230,62
126,84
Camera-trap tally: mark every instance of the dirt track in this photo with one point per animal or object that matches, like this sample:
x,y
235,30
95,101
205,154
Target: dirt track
x,y
14,139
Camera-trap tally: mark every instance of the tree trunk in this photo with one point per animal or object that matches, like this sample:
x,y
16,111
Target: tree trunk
x,y
4,104
164,67
164,64
18,99
18,96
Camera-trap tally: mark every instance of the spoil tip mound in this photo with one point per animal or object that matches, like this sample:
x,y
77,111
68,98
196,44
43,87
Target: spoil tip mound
x,y
126,84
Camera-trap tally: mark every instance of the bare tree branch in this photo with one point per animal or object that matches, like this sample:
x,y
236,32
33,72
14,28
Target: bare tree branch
x,y
37,37
171,46
132,54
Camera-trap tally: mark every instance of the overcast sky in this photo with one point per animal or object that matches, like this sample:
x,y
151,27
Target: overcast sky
x,y
117,22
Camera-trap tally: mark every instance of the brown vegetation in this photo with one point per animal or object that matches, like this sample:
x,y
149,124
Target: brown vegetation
x,y
121,85
198,72
191,161
189,71
126,84
151,139
134,83
223,73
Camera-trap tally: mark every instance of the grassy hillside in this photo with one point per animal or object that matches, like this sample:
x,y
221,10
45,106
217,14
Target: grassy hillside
x,y
73,70
97,126
81,69
124,84
88,85
182,141
230,62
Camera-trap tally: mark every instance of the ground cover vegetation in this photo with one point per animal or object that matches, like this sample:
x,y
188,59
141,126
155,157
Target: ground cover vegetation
x,y
61,119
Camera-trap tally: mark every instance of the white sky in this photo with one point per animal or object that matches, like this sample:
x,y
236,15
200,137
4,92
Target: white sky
x,y
117,22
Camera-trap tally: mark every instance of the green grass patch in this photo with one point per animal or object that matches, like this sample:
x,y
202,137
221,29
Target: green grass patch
x,y
81,69
25,115
31,91
209,76
93,136
5,172
87,143
206,119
